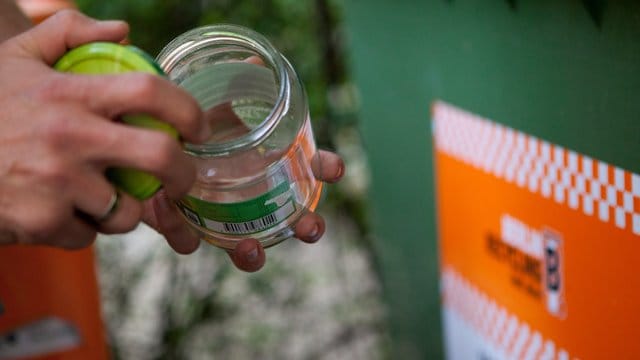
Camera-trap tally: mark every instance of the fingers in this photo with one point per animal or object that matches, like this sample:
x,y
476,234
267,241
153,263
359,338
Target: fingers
x,y
90,192
93,195
161,214
224,123
255,60
76,234
88,138
327,166
310,227
66,30
128,146
125,217
149,151
132,93
248,255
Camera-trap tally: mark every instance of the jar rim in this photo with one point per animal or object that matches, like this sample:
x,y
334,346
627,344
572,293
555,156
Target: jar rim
x,y
230,34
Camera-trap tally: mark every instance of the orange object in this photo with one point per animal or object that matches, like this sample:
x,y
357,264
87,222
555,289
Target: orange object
x,y
49,298
53,292
38,10
538,245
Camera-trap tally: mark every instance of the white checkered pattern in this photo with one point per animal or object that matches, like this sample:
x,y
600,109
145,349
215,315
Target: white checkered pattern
x,y
577,181
502,330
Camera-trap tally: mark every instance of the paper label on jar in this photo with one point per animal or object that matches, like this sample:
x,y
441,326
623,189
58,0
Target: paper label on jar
x,y
242,218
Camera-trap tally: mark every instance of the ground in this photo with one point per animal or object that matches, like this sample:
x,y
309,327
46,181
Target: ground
x,y
320,301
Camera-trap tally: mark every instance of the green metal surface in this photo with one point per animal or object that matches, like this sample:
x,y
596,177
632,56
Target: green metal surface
x,y
565,71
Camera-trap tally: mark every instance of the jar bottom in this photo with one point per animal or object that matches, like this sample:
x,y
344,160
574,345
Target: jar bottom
x,y
270,238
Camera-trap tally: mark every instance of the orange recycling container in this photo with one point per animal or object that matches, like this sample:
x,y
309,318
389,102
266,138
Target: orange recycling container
x,y
49,298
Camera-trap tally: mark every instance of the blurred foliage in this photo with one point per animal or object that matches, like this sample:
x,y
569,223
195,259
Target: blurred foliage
x,y
319,303
293,26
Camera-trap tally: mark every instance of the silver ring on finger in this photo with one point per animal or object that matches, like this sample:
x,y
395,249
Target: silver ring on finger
x,y
111,208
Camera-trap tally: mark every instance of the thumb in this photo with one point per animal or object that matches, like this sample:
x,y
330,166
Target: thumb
x,y
248,255
66,30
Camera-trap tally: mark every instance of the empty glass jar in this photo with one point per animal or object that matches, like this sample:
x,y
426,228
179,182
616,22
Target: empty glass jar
x,y
256,173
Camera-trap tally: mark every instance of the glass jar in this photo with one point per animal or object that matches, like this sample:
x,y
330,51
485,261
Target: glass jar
x,y
255,175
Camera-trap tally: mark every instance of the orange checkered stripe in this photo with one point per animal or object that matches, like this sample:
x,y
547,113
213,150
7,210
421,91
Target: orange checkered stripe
x,y
508,335
577,181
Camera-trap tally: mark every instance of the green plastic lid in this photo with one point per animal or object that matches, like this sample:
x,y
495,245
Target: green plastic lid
x,y
102,58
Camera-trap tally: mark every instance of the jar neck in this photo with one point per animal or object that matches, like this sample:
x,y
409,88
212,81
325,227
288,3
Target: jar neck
x,y
213,41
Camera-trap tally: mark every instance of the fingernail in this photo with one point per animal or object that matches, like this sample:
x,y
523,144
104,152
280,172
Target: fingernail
x,y
252,255
315,233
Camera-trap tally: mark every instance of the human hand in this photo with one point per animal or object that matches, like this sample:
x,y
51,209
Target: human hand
x,y
58,135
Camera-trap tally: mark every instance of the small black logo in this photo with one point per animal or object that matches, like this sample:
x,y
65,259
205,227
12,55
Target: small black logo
x,y
192,216
553,278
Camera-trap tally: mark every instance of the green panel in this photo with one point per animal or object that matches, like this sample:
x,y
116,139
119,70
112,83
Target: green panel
x,y
564,71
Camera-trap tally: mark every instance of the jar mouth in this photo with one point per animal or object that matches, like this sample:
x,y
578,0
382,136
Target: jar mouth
x,y
216,41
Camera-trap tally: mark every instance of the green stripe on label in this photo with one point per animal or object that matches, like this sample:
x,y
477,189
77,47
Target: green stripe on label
x,y
258,214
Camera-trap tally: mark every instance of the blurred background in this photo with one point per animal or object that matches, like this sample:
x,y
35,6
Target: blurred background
x,y
564,71
309,302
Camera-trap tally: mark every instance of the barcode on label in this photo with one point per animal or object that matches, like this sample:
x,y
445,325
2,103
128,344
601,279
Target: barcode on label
x,y
253,226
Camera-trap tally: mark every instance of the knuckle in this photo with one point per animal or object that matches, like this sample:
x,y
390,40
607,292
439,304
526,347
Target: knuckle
x,y
51,88
68,17
57,131
164,153
143,86
109,141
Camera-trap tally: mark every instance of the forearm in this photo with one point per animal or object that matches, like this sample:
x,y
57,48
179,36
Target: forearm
x,y
12,20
